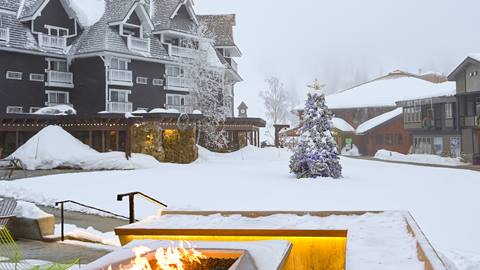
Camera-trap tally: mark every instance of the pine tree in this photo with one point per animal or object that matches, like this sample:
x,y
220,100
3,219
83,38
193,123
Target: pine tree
x,y
316,154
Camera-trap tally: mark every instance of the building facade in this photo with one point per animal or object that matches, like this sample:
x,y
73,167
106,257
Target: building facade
x,y
132,59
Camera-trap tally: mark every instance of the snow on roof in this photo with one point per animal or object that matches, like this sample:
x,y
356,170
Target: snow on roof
x,y
88,12
386,92
342,125
221,26
375,122
475,56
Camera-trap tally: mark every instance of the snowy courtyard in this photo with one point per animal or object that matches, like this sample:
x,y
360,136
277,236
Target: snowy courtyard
x,y
443,201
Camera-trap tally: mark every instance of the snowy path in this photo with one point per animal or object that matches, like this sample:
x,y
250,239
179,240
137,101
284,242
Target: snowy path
x,y
443,201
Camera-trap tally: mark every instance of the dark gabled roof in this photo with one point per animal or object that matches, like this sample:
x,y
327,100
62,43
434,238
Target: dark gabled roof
x,y
118,9
468,61
163,10
11,5
242,106
30,7
221,27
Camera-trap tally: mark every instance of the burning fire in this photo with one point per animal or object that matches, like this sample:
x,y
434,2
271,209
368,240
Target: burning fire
x,y
171,258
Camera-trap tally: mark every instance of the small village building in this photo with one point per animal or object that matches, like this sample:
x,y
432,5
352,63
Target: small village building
x,y
467,79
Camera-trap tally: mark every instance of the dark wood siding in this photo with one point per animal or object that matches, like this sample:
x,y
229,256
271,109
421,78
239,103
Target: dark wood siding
x,y
24,93
147,96
88,97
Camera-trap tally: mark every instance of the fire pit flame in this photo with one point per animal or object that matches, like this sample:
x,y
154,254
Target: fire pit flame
x,y
171,258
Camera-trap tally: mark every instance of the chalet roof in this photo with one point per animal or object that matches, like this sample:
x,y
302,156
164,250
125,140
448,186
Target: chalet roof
x,y
163,10
221,27
118,9
30,7
11,5
342,125
378,121
471,59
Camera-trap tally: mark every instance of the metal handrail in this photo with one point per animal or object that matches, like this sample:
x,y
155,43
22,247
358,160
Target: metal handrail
x,y
131,200
62,210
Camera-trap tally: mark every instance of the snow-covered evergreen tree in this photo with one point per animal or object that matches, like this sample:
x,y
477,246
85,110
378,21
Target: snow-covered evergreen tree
x,y
316,154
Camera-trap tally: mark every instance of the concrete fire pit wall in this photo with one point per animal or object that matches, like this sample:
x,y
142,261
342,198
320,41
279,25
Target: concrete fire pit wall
x,y
34,229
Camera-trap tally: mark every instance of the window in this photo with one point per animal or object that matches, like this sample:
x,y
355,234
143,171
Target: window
x,y
477,103
398,139
389,139
412,114
448,110
174,71
34,109
120,64
12,75
177,100
157,82
117,95
37,77
142,80
56,31
14,109
57,65
57,97
379,140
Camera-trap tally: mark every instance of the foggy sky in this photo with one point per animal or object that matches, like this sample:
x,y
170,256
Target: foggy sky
x,y
339,42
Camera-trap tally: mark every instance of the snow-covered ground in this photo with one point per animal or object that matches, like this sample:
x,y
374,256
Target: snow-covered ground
x,y
416,158
443,201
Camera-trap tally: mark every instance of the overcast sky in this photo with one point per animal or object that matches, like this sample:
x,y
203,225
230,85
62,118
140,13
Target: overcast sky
x,y
340,41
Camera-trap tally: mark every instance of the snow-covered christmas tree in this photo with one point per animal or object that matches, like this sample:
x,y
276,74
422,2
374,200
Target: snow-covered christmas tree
x,y
316,154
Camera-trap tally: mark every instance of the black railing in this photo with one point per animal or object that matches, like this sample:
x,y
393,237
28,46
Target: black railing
x,y
62,214
131,203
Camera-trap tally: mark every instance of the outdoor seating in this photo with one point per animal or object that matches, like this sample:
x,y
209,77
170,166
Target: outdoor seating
x,y
10,255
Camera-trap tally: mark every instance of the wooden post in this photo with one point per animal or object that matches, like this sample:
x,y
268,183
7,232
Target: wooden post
x,y
278,128
258,138
103,141
128,141
17,139
255,138
117,140
90,138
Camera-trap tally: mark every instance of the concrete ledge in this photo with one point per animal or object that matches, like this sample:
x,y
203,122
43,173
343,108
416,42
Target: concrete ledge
x,y
33,229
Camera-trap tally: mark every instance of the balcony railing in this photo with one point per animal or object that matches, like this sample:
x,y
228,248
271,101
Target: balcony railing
x,y
120,76
179,82
120,107
181,108
4,34
59,77
183,52
55,42
138,44
232,63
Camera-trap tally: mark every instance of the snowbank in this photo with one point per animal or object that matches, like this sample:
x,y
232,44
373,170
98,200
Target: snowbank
x,y
57,110
53,147
161,110
29,210
417,158
352,152
88,235
379,120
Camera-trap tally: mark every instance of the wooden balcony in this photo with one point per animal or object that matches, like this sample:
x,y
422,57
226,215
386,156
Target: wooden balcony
x,y
120,107
4,34
59,79
120,77
138,44
53,42
233,64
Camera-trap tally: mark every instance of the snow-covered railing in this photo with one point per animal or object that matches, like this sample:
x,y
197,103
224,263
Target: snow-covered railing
x,y
120,107
54,42
183,52
117,75
4,34
138,44
60,77
181,108
179,82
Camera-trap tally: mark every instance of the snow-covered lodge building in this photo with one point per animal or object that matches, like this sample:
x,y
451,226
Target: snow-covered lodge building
x,y
121,57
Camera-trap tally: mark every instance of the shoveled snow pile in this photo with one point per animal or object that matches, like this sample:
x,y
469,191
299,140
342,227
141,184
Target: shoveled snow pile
x,y
29,210
88,12
353,152
417,158
57,110
53,147
88,235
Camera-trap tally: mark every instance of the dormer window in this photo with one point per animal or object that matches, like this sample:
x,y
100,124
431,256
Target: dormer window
x,y
4,32
56,37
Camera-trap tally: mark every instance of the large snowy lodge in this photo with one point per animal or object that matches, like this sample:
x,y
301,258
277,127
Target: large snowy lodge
x,y
131,59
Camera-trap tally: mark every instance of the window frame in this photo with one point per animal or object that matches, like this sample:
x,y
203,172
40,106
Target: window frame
x,y
156,80
9,77
37,80
57,29
51,66
122,63
449,111
142,80
33,109
14,107
123,91
55,92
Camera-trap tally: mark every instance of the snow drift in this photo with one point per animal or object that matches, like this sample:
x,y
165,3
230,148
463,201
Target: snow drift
x,y
417,158
53,147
